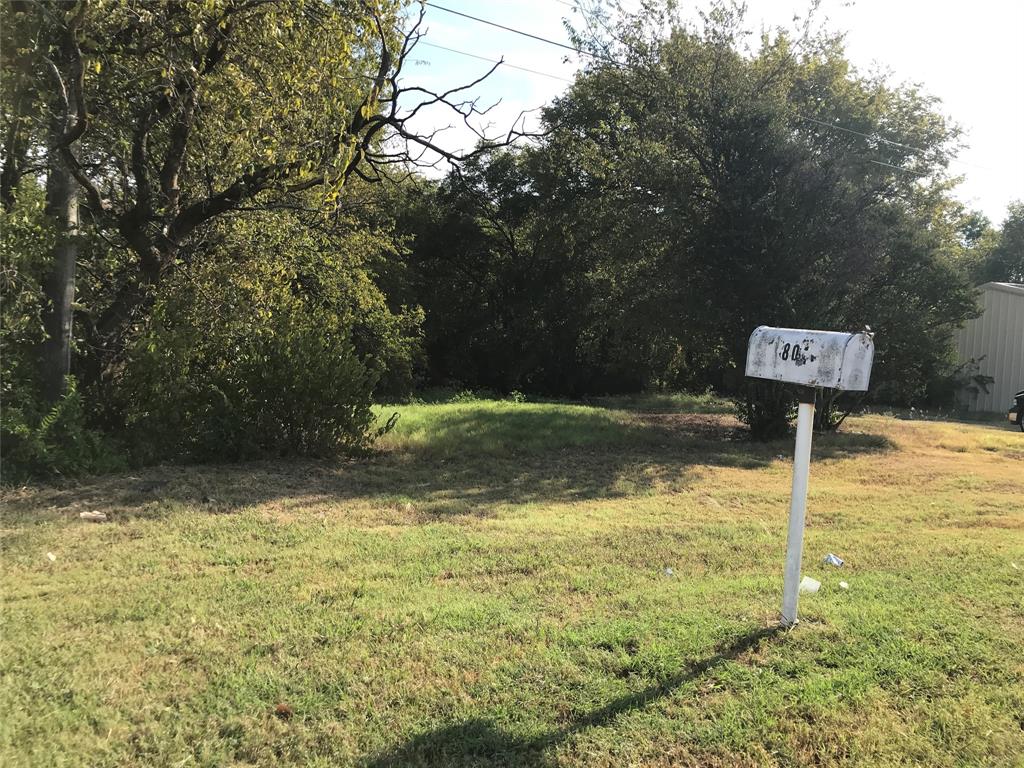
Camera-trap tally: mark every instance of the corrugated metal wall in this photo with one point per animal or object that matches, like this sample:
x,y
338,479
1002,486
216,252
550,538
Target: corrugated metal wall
x,y
998,336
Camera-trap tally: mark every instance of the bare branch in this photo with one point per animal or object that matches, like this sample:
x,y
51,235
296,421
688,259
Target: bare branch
x,y
413,146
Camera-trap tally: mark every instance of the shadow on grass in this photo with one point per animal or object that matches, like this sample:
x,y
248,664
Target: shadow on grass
x,y
479,742
466,461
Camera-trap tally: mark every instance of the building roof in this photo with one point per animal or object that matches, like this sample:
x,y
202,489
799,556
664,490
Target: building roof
x,y
1016,288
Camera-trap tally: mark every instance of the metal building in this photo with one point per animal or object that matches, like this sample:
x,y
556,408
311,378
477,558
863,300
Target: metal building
x,y
996,340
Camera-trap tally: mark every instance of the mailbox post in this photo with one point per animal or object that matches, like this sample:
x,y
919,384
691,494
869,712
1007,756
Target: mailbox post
x,y
810,359
798,505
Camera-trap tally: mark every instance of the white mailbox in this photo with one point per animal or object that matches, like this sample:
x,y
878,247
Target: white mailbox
x,y
811,358
814,359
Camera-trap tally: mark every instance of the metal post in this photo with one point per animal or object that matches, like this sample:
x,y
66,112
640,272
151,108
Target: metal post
x,y
797,507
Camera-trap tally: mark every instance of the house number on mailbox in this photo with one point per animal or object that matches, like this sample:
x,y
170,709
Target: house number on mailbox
x,y
797,356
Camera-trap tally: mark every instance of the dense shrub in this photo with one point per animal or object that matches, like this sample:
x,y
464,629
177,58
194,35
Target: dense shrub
x,y
279,357
276,343
44,442
298,388
767,407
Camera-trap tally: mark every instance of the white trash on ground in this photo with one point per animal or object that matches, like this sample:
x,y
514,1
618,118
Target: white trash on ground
x,y
93,517
843,585
809,585
668,572
51,557
835,560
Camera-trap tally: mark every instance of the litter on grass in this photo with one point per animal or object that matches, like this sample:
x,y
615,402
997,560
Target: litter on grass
x,y
843,585
835,560
668,572
51,557
93,517
809,585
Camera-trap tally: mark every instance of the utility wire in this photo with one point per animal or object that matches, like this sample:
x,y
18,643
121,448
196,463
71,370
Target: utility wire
x,y
599,57
876,137
496,61
897,168
530,35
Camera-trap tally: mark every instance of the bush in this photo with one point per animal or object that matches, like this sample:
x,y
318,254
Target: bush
x,y
767,407
833,406
280,356
958,385
298,389
43,442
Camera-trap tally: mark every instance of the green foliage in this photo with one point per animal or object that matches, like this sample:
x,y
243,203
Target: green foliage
x,y
281,357
26,240
207,335
295,389
53,442
515,294
1004,263
681,201
275,342
948,390
239,295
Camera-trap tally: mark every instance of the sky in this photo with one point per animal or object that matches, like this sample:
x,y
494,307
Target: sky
x,y
970,55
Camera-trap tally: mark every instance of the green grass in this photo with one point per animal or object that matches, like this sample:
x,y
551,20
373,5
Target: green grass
x,y
491,589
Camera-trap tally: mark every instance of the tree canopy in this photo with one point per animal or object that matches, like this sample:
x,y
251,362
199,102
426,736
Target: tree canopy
x,y
689,189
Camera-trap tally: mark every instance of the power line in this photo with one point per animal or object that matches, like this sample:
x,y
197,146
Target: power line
x,y
530,35
496,61
608,60
859,133
897,168
882,139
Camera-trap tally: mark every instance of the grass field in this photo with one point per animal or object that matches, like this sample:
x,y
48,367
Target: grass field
x,y
527,584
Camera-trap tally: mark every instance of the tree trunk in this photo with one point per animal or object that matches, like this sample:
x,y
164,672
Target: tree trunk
x,y
15,155
59,284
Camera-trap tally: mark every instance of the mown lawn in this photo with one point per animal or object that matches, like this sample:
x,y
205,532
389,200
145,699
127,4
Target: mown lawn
x,y
493,588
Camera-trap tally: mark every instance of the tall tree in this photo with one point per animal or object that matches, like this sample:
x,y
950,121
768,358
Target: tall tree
x,y
692,187
1005,262
168,115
